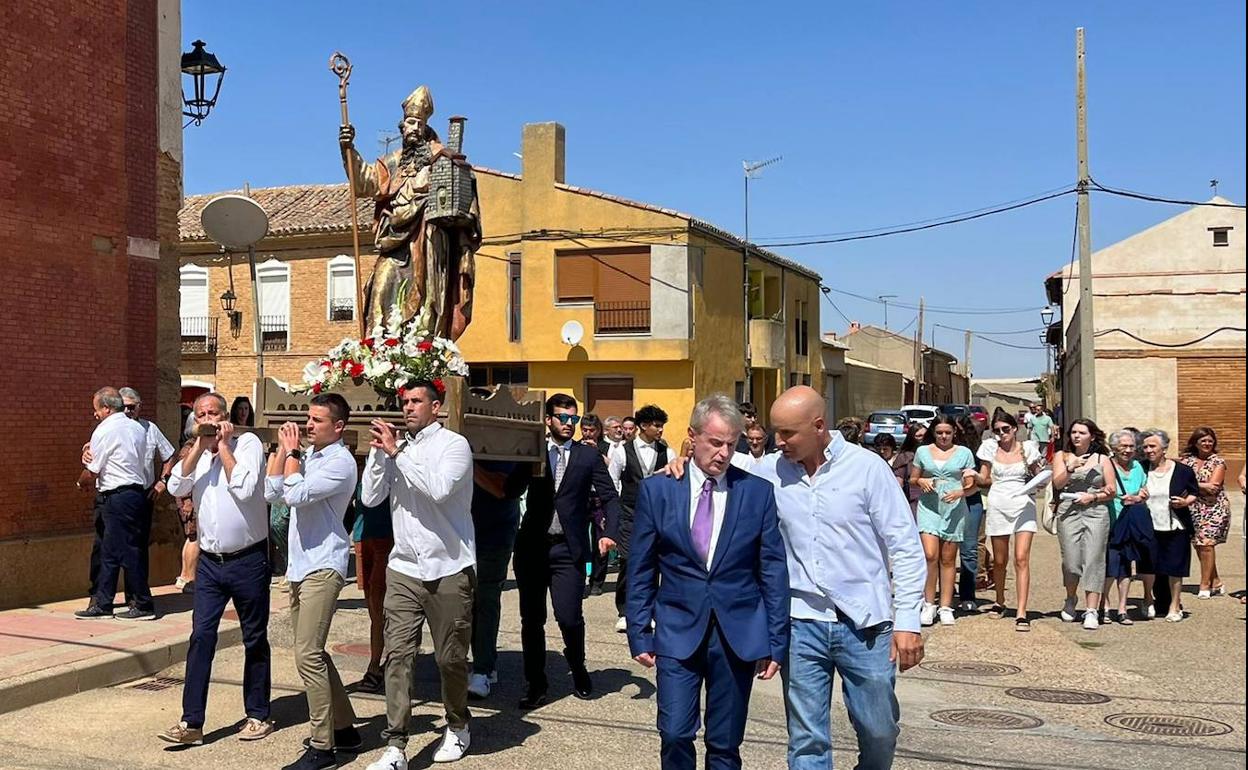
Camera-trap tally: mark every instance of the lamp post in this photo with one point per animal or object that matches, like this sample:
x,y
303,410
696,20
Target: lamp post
x,y
200,65
228,298
885,298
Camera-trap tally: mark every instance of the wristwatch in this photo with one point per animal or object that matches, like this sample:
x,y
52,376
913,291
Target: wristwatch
x,y
295,453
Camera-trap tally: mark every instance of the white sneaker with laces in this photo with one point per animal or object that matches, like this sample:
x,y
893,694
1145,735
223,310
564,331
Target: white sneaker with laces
x,y
927,614
392,759
946,616
1068,611
621,626
1174,617
1150,612
1204,595
479,686
1090,620
454,745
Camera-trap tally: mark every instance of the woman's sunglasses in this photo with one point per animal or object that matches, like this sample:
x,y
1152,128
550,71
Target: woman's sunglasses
x,y
1002,430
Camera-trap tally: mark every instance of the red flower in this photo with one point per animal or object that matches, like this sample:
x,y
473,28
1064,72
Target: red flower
x,y
392,342
439,385
425,347
357,370
327,363
367,342
316,387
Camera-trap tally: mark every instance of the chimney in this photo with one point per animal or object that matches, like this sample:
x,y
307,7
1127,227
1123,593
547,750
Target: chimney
x,y
854,326
542,146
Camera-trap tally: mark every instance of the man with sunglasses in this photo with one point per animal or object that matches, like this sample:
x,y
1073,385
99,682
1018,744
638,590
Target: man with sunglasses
x,y
553,547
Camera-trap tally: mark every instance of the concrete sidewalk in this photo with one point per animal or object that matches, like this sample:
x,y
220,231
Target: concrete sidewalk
x,y
47,653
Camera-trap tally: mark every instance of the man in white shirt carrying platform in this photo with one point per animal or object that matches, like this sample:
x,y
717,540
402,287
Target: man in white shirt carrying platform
x,y
318,486
223,472
427,477
114,461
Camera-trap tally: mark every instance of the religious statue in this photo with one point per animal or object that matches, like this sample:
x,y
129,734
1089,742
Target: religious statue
x,y
426,223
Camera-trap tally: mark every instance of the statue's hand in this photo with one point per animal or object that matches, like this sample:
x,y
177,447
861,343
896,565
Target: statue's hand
x,y
346,137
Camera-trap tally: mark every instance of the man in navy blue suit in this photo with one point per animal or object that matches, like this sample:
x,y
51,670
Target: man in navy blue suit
x,y
708,567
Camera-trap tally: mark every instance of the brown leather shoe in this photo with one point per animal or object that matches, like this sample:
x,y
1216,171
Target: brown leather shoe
x,y
182,734
255,729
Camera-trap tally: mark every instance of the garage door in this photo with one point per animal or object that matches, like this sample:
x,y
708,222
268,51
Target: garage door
x,y
1211,392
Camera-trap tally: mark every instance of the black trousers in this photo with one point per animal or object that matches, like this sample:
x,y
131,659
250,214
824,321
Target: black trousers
x,y
544,566
123,513
598,564
97,546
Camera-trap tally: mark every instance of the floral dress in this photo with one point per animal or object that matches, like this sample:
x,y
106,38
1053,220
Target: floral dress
x,y
1211,514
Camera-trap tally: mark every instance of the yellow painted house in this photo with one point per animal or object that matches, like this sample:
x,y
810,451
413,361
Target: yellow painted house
x,y
660,296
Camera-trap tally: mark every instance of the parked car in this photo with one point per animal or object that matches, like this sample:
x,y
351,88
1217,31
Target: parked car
x,y
892,423
921,413
980,415
958,410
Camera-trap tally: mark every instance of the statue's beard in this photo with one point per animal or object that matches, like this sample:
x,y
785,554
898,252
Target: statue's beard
x,y
415,152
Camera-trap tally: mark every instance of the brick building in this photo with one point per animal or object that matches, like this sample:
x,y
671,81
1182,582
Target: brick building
x,y
90,184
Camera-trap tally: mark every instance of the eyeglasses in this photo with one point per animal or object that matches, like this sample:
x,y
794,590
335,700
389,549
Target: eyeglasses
x,y
1001,431
567,419
131,407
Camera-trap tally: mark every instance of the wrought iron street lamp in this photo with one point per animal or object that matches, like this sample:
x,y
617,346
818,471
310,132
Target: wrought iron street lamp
x,y
200,65
1046,315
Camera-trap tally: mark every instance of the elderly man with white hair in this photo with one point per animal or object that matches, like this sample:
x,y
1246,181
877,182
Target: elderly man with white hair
x,y
157,466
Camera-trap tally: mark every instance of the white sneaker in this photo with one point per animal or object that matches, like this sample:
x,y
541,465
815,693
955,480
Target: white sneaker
x,y
1174,617
392,759
454,744
621,626
1204,595
1068,611
946,616
927,614
478,686
1090,620
1150,612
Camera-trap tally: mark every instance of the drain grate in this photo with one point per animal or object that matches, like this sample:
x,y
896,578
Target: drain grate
x,y
1170,725
1067,697
985,719
970,668
157,684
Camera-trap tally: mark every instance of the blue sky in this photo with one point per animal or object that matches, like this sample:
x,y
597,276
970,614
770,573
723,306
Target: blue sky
x,y
885,113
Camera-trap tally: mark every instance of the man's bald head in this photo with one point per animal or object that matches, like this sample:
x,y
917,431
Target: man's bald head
x,y
801,430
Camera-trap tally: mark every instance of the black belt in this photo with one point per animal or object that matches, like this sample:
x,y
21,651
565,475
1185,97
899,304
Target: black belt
x,y
126,488
222,558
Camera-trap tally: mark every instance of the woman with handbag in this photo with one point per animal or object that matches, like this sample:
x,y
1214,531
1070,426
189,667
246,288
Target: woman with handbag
x,y
1083,482
1131,536
1006,464
1172,488
1211,513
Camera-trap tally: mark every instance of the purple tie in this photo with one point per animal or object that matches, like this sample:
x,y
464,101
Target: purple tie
x,y
703,520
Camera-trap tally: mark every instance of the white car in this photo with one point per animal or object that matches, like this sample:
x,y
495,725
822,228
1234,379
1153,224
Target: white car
x,y
920,413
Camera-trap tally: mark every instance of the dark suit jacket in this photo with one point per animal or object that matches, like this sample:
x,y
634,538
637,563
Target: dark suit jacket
x,y
747,587
570,502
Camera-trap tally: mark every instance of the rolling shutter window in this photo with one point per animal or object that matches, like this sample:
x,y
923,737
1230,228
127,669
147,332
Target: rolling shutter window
x,y
609,397
623,277
1211,393
574,275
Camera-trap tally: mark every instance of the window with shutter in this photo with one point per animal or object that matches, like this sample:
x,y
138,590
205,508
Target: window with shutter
x,y
341,288
274,279
609,396
574,276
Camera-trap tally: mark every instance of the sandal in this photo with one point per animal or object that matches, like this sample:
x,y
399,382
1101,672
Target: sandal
x,y
1022,624
997,610
1125,619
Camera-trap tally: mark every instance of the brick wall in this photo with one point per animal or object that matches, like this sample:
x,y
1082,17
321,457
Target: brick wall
x,y
78,151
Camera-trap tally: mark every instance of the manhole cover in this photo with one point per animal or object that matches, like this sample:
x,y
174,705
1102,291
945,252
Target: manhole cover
x,y
359,650
1169,725
156,685
971,668
1070,697
984,719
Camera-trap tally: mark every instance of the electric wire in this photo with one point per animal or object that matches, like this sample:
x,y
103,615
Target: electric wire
x,y
1189,343
1159,199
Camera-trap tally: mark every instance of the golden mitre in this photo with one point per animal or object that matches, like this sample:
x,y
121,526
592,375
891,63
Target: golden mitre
x,y
419,104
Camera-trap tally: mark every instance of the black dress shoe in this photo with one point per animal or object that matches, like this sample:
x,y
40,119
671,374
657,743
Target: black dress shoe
x,y
582,685
595,590
534,698
314,759
347,739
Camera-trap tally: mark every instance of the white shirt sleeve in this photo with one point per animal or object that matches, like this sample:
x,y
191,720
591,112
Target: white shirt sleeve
x,y
273,488
438,483
248,467
101,447
179,485
988,451
164,449
1031,452
376,487
338,476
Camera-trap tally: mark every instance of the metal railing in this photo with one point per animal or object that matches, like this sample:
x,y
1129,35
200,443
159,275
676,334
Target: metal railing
x,y
622,317
342,309
274,333
199,334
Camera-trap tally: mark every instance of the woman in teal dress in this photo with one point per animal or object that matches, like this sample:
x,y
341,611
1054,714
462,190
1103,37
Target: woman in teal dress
x,y
944,473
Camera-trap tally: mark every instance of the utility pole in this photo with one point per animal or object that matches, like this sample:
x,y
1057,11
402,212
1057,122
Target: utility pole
x,y
1087,340
918,357
751,170
966,357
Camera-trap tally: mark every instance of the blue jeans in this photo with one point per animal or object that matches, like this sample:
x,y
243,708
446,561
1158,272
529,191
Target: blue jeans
x,y
817,649
970,548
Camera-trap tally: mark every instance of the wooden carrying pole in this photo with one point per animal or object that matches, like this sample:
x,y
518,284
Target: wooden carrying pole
x,y
341,66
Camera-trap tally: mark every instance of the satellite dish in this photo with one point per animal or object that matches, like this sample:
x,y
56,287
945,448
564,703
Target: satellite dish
x,y
234,221
572,333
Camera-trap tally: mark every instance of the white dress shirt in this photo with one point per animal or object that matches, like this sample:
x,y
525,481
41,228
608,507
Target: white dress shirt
x,y
118,448
844,529
719,502
318,498
231,513
746,461
618,459
429,485
157,445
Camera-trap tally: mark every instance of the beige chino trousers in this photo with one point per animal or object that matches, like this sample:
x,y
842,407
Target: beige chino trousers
x,y
312,603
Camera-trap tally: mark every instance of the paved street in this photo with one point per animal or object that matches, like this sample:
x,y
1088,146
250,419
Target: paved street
x,y
1195,669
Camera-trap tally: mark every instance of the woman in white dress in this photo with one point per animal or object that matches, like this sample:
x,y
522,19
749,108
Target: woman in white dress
x,y
1006,464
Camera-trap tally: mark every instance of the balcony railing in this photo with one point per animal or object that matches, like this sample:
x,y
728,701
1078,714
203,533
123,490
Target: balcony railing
x,y
622,317
199,334
342,309
274,333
